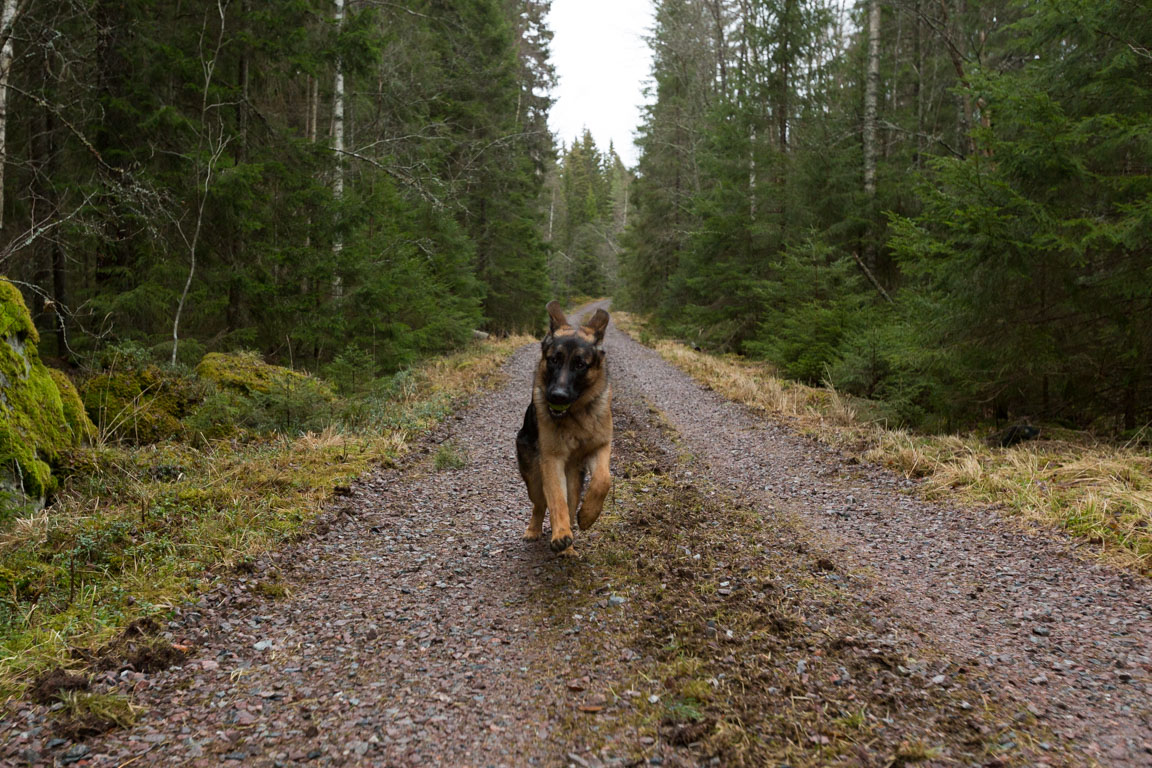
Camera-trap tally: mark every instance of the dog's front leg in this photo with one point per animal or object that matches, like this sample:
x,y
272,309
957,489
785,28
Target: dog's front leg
x,y
557,495
597,488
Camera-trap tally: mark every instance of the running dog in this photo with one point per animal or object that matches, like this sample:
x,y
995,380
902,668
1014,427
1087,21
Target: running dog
x,y
567,429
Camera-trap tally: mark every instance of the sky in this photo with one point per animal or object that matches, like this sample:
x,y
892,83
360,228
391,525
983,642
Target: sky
x,y
602,63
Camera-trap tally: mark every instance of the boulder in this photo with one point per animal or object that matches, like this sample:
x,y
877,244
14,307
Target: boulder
x,y
34,426
247,373
139,405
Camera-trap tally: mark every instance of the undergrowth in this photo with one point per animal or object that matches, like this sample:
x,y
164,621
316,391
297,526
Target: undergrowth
x,y
1098,491
137,529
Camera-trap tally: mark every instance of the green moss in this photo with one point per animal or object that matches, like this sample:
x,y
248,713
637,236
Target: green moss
x,y
33,428
14,317
74,413
139,406
249,374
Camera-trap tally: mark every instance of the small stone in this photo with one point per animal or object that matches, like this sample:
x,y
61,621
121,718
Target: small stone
x,y
1042,631
263,645
1040,679
237,756
617,600
74,755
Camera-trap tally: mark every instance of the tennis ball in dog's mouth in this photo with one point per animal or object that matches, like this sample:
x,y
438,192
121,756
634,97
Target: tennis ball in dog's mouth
x,y
558,408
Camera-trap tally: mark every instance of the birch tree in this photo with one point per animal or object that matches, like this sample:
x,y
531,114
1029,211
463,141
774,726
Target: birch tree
x,y
338,151
871,91
7,21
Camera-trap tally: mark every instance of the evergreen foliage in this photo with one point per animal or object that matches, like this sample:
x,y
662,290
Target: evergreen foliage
x,y
158,148
588,206
1000,266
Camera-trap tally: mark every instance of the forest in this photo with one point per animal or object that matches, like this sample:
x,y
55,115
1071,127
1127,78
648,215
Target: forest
x,y
943,207
298,178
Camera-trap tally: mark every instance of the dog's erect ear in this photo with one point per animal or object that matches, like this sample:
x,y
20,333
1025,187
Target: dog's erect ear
x,y
555,316
598,324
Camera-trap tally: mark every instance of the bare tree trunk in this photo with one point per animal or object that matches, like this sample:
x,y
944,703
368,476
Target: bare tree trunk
x,y
551,212
784,53
872,87
338,146
721,45
45,197
918,86
215,152
7,19
313,106
242,112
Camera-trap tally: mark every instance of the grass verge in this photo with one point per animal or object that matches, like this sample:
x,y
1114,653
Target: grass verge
x,y
137,530
1094,490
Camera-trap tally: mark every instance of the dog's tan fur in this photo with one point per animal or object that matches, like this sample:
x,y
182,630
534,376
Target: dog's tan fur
x,y
582,438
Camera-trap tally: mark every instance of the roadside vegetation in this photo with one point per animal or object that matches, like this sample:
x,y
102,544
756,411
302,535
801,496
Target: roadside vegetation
x,y
193,473
1097,490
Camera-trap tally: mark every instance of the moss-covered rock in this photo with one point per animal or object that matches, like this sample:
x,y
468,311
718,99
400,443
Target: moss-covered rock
x,y
139,406
34,430
247,373
74,413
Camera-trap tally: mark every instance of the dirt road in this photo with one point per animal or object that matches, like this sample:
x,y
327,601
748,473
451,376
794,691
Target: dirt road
x,y
749,598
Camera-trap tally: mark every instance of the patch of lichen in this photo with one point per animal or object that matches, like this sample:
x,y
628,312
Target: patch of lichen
x,y
33,429
248,373
74,413
140,406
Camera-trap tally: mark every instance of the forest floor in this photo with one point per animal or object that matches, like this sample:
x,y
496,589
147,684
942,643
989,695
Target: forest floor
x,y
751,597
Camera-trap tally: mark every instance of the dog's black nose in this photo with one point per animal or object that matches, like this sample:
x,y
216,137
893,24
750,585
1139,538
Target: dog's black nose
x,y
559,396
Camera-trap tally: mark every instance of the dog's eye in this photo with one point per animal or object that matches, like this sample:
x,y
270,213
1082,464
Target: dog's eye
x,y
579,363
555,359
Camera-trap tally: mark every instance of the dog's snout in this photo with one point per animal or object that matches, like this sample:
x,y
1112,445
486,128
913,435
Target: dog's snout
x,y
559,395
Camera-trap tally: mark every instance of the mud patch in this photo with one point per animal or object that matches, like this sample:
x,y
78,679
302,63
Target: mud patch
x,y
48,687
138,647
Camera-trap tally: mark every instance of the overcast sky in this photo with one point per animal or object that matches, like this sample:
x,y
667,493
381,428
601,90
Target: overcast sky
x,y
602,63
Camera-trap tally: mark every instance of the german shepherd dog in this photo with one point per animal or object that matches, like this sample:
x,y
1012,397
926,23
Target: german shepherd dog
x,y
567,428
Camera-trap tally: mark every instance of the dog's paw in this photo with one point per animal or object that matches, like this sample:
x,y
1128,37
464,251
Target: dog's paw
x,y
561,543
531,534
585,519
569,553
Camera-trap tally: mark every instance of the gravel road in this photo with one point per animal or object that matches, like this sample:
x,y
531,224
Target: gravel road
x,y
417,629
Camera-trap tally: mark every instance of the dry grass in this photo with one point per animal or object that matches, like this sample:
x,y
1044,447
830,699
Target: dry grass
x,y
1100,492
135,531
